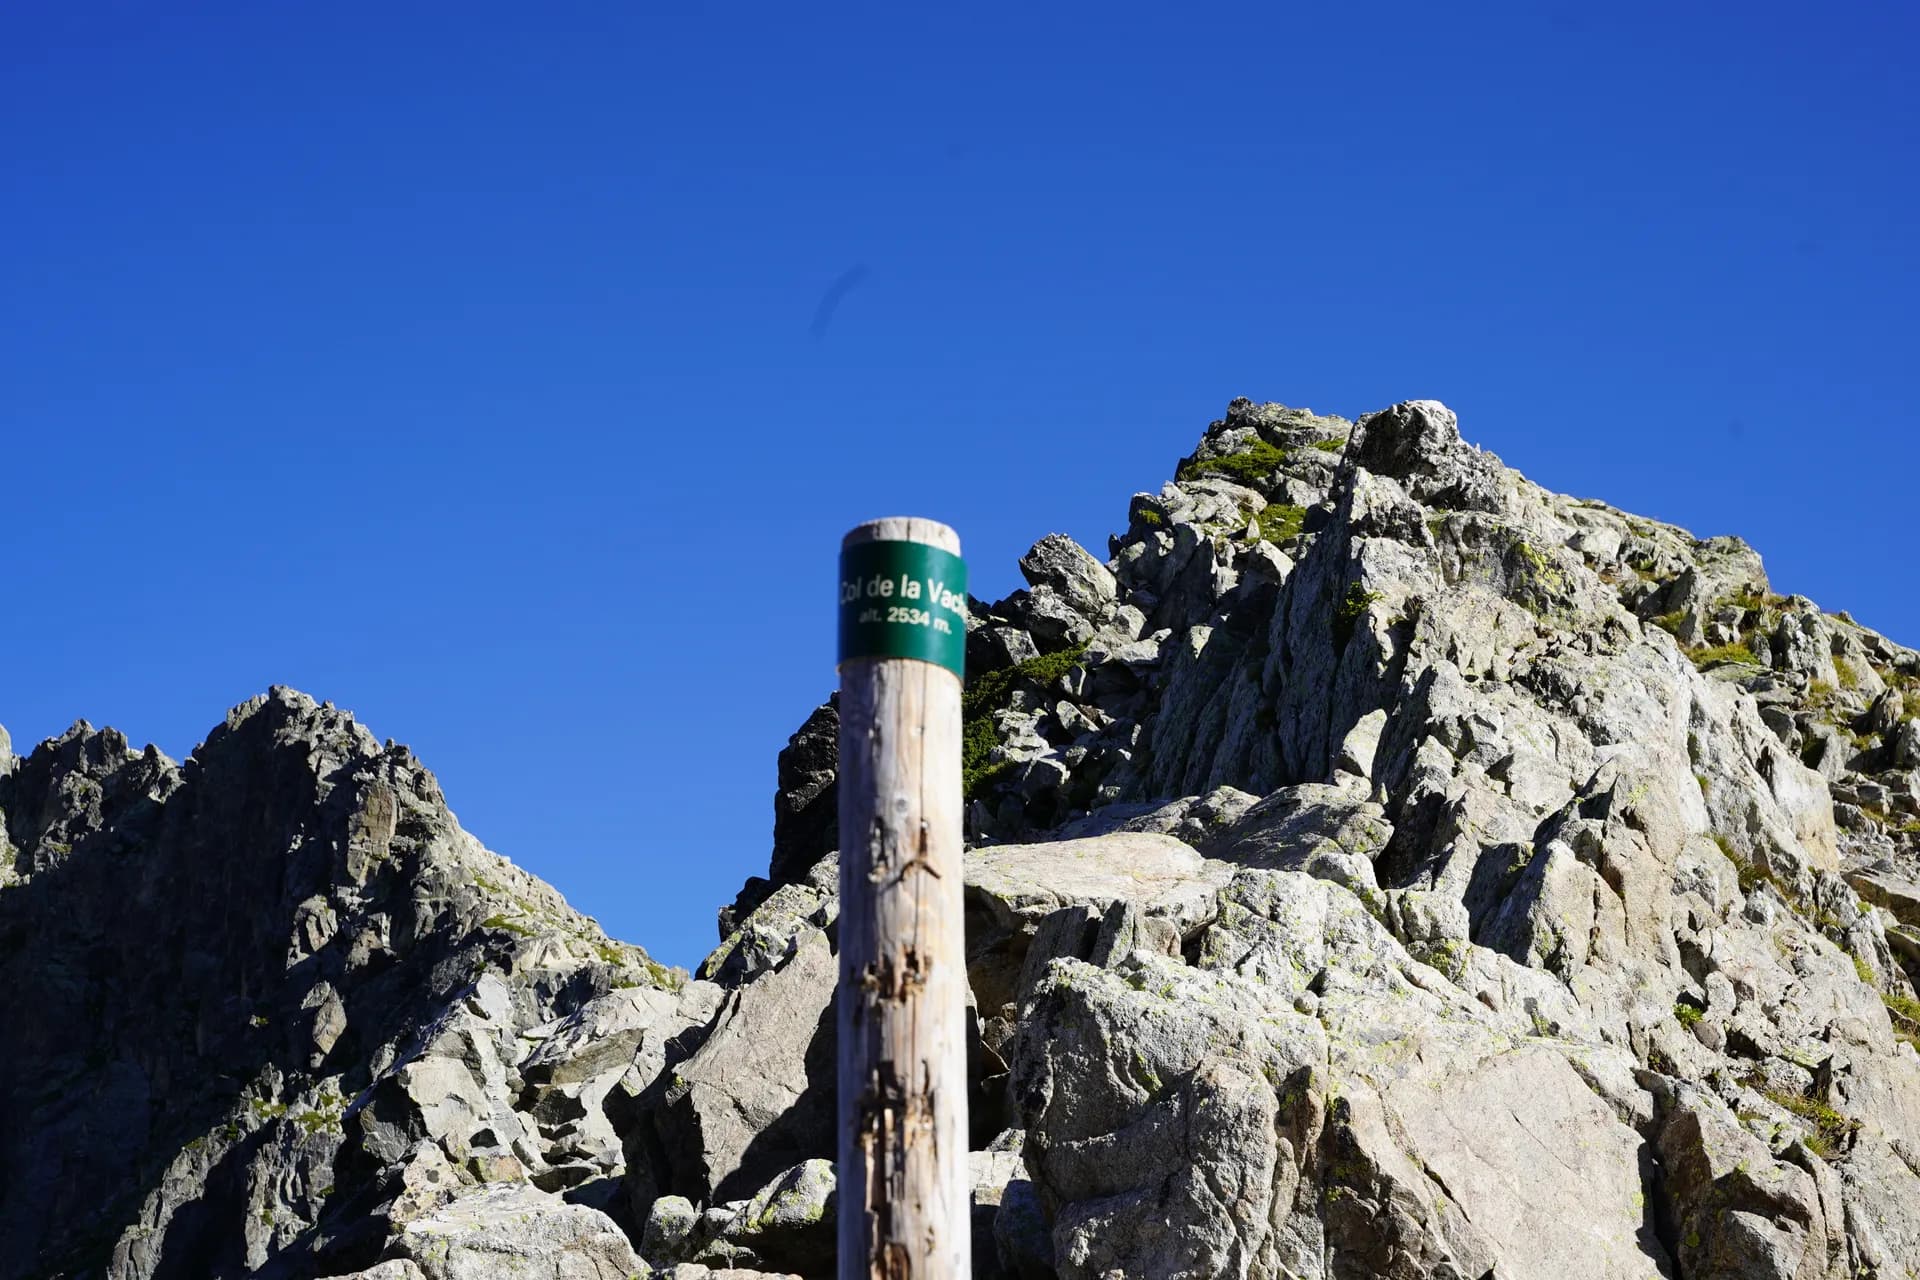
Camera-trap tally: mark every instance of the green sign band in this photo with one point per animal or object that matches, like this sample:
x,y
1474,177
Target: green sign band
x,y
903,600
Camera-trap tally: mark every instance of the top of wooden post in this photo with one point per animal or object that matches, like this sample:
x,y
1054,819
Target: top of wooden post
x,y
904,529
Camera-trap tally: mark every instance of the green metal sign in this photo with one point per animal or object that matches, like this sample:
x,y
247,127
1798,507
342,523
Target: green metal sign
x,y
903,600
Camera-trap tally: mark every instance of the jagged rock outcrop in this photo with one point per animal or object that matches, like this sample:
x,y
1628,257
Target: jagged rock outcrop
x,y
267,1009
1381,867
1635,839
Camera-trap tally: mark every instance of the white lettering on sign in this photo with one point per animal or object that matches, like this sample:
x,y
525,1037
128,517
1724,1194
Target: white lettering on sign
x,y
938,593
906,615
934,591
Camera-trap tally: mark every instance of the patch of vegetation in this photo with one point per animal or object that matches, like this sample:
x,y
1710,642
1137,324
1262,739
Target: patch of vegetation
x,y
1751,877
1861,967
663,977
1908,686
1670,622
1831,925
991,692
1332,444
1247,467
1849,678
1828,1130
1905,1012
1151,518
498,921
1736,652
1347,613
1280,522
1749,599
1687,1015
978,772
324,1117
1903,1009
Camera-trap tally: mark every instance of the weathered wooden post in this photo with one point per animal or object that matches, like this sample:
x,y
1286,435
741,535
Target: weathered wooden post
x,y
903,1194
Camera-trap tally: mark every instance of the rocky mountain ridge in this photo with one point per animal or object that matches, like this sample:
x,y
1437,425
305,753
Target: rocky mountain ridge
x,y
1381,867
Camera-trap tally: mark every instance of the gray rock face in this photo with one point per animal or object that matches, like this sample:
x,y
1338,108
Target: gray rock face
x,y
1382,868
1306,1099
789,1223
1027,904
757,1097
513,1231
804,808
253,999
765,937
1063,567
1583,769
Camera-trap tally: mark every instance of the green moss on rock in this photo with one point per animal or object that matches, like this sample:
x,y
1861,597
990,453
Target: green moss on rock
x,y
498,921
1346,615
1719,653
1280,522
991,692
1248,467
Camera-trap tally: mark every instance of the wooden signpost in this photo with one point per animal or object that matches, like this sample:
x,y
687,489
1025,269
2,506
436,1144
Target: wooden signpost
x,y
903,1192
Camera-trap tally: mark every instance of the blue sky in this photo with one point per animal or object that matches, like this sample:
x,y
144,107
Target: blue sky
x,y
508,373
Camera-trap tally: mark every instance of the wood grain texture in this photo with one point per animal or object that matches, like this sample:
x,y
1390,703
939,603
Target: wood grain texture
x,y
903,1193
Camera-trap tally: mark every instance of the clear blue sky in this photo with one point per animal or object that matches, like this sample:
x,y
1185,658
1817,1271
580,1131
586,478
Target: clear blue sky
x,y
468,364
